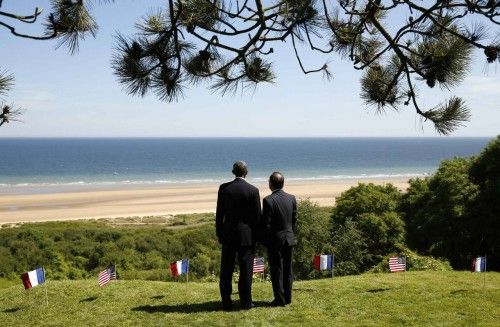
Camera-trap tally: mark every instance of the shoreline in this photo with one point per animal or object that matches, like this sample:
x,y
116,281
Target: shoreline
x,y
73,187
153,200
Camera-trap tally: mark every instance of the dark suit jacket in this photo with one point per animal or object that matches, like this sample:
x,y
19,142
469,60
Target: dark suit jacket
x,y
238,213
279,218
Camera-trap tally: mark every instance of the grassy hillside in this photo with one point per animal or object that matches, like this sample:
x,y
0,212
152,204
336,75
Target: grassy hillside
x,y
416,299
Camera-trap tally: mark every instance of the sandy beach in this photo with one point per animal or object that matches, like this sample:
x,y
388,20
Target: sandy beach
x,y
149,200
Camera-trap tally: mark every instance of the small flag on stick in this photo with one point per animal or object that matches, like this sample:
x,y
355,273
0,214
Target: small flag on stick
x,y
397,264
33,278
479,264
107,275
323,262
179,267
258,265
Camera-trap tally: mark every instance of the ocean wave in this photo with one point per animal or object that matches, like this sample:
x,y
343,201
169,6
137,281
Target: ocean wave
x,y
360,176
208,180
111,183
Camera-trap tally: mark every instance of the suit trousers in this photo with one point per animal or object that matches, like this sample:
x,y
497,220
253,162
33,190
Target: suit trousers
x,y
245,263
280,261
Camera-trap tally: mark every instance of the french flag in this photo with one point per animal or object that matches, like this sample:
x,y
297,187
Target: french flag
x,y
179,267
323,262
479,264
33,278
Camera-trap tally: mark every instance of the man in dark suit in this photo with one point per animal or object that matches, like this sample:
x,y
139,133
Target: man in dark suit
x,y
237,218
279,217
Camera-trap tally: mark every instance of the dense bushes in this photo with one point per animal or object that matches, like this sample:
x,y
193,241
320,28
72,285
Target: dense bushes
x,y
414,262
436,211
313,237
485,173
80,249
455,213
366,226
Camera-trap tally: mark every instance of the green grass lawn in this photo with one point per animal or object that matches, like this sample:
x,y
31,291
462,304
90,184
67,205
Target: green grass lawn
x,y
413,299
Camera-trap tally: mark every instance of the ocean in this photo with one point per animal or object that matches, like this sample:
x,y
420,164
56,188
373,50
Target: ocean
x,y
47,162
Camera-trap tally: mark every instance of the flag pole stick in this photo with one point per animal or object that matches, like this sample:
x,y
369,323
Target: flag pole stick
x,y
404,272
187,274
484,275
333,265
45,286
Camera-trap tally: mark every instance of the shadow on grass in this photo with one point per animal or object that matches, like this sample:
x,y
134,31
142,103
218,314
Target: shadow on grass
x,y
89,299
157,297
12,310
377,290
190,307
458,292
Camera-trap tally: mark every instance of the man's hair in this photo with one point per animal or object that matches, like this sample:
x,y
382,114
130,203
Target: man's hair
x,y
240,168
277,180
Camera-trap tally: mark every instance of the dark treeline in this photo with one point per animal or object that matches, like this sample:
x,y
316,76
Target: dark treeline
x,y
455,213
447,218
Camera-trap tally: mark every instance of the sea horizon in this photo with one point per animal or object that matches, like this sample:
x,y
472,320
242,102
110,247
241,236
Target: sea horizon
x,y
251,137
53,162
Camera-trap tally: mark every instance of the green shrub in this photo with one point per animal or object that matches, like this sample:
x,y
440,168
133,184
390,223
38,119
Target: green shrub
x,y
82,249
437,212
414,262
365,226
313,237
349,248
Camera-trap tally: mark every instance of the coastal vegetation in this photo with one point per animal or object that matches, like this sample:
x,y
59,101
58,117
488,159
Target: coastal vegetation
x,y
441,221
80,249
455,213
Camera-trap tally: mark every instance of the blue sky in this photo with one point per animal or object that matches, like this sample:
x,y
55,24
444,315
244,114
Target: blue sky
x,y
78,96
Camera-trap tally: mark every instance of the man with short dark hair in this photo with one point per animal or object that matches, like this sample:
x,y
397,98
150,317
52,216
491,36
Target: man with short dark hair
x,y
236,221
278,220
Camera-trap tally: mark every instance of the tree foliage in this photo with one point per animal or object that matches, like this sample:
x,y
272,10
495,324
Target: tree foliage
x,y
68,22
437,212
7,113
398,44
366,226
455,213
350,249
485,173
313,237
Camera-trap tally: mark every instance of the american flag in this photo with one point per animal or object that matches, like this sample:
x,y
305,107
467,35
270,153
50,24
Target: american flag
x,y
397,264
258,265
106,275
